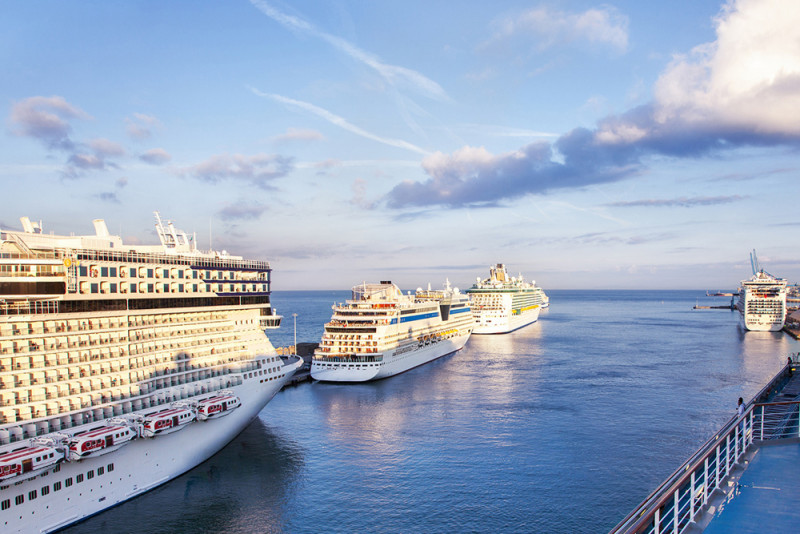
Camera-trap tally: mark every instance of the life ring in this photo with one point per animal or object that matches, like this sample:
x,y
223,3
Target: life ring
x,y
93,272
67,262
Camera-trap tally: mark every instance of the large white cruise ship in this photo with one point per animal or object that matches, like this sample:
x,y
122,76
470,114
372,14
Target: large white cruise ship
x,y
503,304
762,302
381,332
122,366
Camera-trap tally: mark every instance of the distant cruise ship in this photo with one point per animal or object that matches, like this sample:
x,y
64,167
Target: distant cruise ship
x,y
762,302
502,304
381,332
122,366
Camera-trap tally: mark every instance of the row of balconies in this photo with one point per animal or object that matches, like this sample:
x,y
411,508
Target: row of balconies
x,y
221,348
112,390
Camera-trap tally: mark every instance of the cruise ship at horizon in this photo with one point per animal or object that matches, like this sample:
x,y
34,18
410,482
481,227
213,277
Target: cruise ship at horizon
x,y
502,304
380,332
762,300
122,367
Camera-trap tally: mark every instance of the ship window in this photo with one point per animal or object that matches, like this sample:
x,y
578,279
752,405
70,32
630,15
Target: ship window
x,y
6,504
82,271
113,288
45,490
68,482
94,288
79,478
112,271
57,486
32,495
110,467
149,273
19,499
90,474
104,271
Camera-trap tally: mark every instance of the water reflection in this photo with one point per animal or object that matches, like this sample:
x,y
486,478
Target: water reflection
x,y
243,488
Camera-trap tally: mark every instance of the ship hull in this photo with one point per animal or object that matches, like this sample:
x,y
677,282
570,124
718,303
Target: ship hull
x,y
391,365
487,322
138,467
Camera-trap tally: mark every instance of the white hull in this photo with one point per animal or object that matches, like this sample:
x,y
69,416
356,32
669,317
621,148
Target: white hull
x,y
139,466
762,303
491,322
391,365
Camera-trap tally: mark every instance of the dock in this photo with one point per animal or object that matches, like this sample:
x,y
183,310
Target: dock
x,y
305,351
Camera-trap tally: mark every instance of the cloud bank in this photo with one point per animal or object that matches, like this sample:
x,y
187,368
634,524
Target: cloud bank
x,y
741,90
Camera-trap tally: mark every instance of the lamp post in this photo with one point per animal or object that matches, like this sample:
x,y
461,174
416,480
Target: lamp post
x,y
294,315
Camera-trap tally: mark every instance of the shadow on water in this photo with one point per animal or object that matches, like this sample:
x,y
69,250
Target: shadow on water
x,y
241,489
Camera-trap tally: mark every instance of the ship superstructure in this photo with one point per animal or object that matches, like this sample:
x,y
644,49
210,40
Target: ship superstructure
x,y
381,332
116,363
762,300
503,304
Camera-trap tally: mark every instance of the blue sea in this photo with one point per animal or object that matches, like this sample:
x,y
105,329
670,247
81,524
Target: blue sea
x,y
562,426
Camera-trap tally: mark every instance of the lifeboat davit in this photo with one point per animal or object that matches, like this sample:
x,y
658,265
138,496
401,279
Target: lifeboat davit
x,y
166,421
99,441
28,462
217,406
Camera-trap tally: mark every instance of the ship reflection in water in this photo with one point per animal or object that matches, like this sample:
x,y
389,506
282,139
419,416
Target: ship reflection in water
x,y
242,489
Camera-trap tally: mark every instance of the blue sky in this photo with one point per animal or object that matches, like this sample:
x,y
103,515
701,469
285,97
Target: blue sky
x,y
586,145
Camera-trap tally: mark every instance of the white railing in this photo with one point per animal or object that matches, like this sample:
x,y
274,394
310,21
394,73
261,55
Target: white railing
x,y
676,504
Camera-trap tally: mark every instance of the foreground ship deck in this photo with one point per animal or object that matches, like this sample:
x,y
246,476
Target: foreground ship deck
x,y
742,480
122,367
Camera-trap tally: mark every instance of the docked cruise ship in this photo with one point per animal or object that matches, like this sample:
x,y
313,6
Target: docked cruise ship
x,y
381,332
762,302
503,304
122,366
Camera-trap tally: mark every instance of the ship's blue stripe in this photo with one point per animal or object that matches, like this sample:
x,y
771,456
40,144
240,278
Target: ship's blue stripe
x,y
460,310
418,317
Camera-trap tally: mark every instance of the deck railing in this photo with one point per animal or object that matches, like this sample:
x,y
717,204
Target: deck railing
x,y
676,504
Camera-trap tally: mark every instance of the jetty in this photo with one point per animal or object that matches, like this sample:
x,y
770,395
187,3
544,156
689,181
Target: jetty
x,y
305,351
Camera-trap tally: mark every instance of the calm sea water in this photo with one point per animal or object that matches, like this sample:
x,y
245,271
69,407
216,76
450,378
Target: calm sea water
x,y
562,426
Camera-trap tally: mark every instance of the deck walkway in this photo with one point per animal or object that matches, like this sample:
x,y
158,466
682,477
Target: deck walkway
x,y
766,496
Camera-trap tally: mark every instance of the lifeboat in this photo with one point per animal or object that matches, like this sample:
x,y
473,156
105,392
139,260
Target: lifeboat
x,y
28,462
99,441
166,421
217,406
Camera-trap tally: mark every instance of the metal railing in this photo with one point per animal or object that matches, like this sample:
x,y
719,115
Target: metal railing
x,y
676,504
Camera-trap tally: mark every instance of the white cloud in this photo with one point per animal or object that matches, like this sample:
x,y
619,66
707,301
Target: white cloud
x,y
105,148
547,27
748,78
45,118
140,126
393,74
259,169
340,122
155,156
